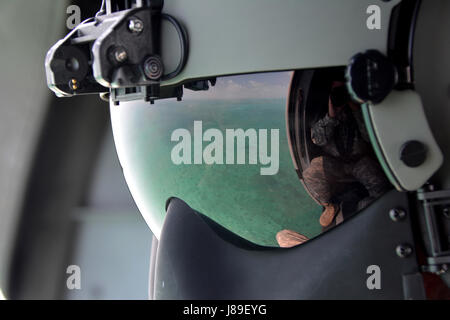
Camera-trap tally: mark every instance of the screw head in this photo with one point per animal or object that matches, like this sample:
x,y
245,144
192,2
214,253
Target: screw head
x,y
397,214
135,25
446,212
403,250
120,55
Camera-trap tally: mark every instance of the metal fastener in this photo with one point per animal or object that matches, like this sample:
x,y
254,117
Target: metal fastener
x,y
446,212
403,250
397,214
120,54
135,25
444,269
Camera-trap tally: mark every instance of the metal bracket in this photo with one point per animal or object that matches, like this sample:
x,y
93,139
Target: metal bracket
x,y
435,202
117,51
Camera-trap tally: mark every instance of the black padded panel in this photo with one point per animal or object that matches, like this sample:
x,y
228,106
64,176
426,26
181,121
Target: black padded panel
x,y
198,259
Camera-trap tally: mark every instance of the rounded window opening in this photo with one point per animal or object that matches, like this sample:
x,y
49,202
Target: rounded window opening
x,y
330,145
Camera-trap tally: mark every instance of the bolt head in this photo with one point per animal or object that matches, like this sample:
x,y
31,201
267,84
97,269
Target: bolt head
x,y
397,214
403,250
135,25
446,212
120,55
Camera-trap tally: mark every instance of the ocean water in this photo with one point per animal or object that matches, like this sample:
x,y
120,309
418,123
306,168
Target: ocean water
x,y
238,197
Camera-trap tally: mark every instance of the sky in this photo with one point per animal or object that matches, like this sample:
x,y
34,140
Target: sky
x,y
250,86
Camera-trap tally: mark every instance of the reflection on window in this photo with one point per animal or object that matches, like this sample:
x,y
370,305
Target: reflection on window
x,y
254,191
339,168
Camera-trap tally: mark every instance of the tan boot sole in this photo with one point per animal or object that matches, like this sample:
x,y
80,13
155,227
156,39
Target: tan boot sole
x,y
289,238
328,215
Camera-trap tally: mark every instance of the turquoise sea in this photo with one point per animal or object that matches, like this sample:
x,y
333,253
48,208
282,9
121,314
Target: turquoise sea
x,y
238,197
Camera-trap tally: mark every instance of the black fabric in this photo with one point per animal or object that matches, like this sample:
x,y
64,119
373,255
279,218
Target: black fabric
x,y
345,133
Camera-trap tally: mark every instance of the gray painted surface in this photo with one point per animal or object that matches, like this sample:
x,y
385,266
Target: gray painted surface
x,y
82,215
235,36
396,120
112,250
27,30
112,243
432,73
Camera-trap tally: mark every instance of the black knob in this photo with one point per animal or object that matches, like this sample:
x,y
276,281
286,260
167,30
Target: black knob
x,y
371,77
413,153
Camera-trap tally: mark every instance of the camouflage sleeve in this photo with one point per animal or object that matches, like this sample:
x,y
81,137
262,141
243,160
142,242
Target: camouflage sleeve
x,y
361,125
322,131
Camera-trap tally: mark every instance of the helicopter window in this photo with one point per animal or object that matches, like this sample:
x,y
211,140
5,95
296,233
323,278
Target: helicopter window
x,y
331,146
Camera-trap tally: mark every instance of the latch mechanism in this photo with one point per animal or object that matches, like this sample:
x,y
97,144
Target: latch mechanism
x,y
117,52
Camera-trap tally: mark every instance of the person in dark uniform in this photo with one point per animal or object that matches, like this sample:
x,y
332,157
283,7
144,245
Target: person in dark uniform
x,y
344,140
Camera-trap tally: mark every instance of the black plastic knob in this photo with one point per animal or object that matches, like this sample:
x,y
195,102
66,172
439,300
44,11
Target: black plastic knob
x,y
413,153
371,77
